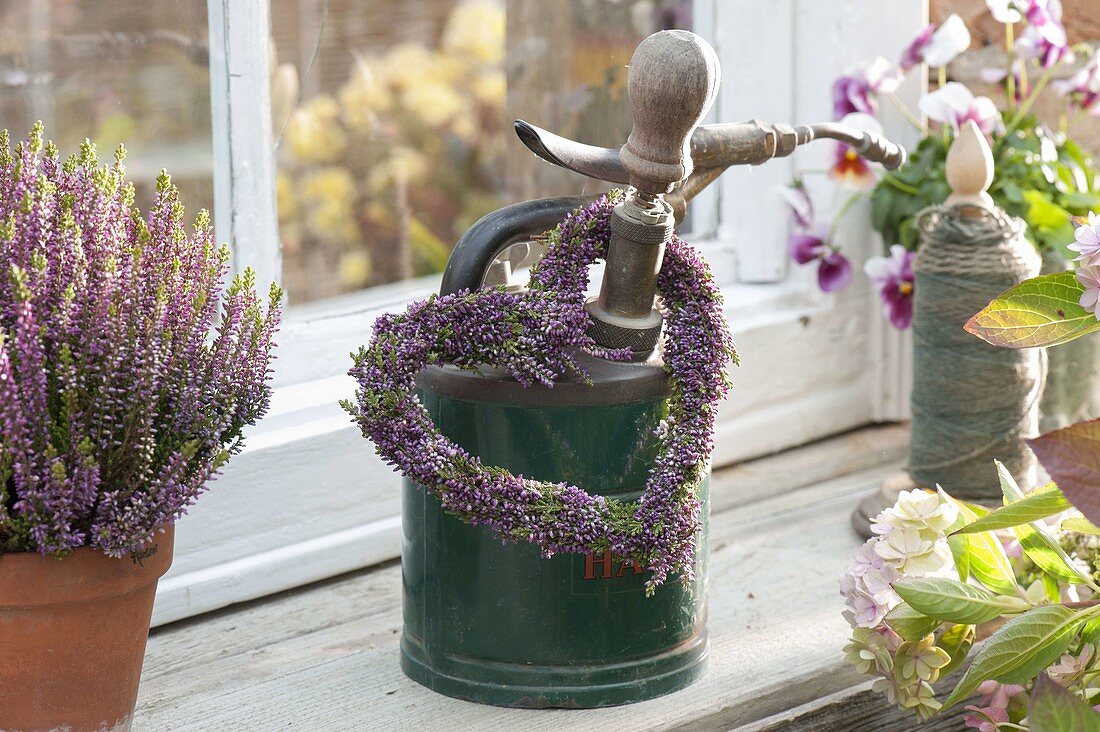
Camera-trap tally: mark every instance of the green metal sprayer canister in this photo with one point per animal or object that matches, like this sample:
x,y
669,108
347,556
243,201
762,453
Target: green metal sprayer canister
x,y
498,623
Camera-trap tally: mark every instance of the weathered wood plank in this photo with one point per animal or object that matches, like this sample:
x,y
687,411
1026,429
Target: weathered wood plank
x,y
859,709
326,658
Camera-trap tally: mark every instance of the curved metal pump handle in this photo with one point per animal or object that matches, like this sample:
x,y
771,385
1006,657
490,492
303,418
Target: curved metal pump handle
x,y
714,148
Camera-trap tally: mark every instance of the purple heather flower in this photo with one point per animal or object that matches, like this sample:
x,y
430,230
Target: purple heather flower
x,y
857,89
937,46
535,335
834,273
802,208
118,398
892,277
1089,277
955,105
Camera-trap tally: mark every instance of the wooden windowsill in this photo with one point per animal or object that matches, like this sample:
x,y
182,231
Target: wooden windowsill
x,y
325,657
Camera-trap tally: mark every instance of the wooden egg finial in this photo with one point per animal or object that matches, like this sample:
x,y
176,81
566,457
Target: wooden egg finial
x,y
672,81
970,168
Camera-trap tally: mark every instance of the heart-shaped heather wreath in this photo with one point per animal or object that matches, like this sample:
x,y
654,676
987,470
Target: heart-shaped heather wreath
x,y
535,335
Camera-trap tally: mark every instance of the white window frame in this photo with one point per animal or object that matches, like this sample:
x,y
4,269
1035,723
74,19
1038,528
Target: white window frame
x,y
308,499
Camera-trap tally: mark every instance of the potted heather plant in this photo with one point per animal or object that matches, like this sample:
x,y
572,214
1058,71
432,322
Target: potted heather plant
x,y
1041,174
126,378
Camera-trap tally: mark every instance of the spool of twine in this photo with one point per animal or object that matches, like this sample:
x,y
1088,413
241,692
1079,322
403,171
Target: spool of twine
x,y
972,402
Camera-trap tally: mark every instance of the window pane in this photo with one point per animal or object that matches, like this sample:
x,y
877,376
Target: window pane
x,y
393,120
132,71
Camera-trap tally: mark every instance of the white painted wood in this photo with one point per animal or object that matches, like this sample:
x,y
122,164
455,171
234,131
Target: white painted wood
x,y
832,36
326,658
705,208
756,44
244,162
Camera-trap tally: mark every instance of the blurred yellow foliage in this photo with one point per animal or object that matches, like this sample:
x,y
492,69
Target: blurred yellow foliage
x,y
327,197
476,30
411,141
314,134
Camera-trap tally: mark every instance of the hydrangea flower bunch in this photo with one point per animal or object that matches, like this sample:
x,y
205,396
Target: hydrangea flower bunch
x,y
535,335
939,572
123,389
1041,175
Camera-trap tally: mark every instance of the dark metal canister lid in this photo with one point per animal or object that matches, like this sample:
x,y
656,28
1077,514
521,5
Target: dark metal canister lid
x,y
610,382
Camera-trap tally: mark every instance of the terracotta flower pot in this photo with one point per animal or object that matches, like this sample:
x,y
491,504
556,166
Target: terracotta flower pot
x,y
72,637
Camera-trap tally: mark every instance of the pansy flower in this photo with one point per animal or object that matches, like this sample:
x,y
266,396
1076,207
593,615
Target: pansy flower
x,y
857,89
1044,38
892,277
834,271
798,199
954,104
1083,88
850,170
1007,11
937,46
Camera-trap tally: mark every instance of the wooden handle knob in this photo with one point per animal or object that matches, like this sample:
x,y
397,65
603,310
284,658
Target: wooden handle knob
x,y
672,82
969,168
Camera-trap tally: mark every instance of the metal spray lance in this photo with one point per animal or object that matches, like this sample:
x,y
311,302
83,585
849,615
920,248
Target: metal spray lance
x,y
672,81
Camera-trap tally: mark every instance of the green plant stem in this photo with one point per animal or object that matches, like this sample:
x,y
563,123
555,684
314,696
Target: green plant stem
x,y
1025,107
842,211
1081,114
903,187
1010,80
906,113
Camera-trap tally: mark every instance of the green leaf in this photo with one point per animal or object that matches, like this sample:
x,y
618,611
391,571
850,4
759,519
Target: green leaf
x,y
1009,489
1039,504
1072,457
957,641
1044,213
910,624
951,601
1090,631
1051,708
1082,200
960,552
984,556
1039,546
1080,525
1021,648
1042,311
